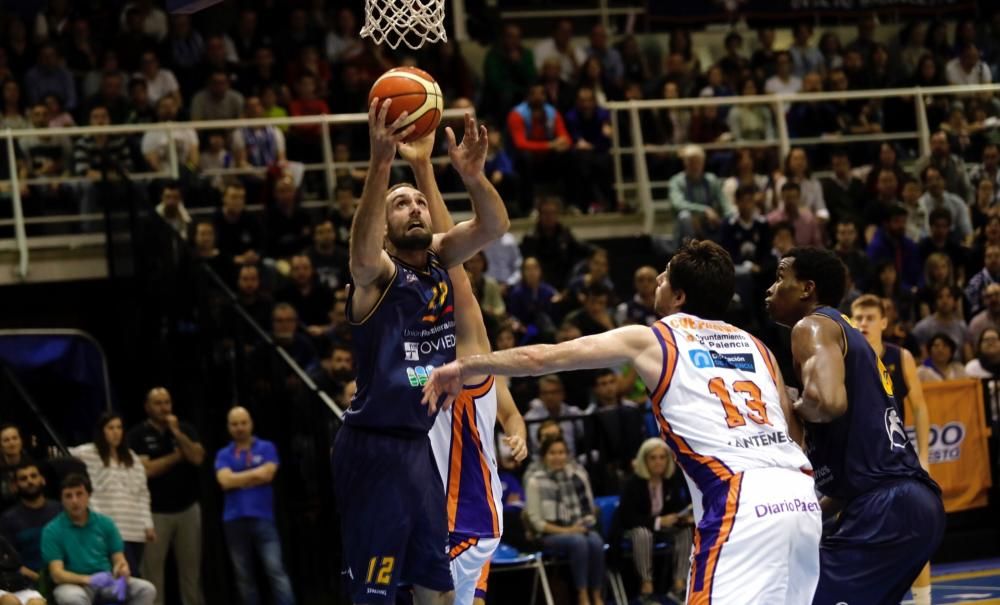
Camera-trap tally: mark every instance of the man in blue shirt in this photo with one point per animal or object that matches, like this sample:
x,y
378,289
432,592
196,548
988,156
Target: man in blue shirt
x,y
85,554
245,469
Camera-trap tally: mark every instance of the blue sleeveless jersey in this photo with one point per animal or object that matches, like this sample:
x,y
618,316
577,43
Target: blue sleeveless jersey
x,y
866,447
410,332
892,359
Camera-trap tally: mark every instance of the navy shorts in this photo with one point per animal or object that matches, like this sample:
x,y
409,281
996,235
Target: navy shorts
x,y
393,517
880,543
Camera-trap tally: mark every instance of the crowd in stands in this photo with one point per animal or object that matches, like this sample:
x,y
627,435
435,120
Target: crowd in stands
x,y
922,233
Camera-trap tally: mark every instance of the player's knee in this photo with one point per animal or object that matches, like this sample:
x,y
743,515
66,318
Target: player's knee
x,y
9,599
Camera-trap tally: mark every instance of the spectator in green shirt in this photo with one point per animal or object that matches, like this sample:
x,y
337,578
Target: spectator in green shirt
x,y
85,554
696,196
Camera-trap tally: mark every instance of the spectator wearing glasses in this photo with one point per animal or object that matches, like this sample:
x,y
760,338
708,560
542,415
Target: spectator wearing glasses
x,y
987,362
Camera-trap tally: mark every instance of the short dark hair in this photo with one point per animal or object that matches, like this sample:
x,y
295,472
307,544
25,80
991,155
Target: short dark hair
x,y
596,289
894,211
75,480
947,340
599,374
705,272
783,226
745,190
791,186
26,464
823,268
10,425
939,214
840,152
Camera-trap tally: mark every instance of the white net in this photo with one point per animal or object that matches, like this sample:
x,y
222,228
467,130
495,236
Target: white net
x,y
410,22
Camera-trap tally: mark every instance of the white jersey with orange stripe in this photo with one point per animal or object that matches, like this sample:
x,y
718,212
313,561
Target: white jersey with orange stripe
x,y
464,447
717,403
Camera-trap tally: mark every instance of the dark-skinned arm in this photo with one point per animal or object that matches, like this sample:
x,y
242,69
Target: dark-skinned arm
x,y
817,348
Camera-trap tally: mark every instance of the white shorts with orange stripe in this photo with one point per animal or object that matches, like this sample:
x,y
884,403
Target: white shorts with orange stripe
x,y
470,567
757,541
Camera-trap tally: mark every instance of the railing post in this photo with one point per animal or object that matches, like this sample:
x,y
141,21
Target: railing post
x,y
175,172
643,188
923,129
330,173
461,33
20,235
605,17
781,122
616,157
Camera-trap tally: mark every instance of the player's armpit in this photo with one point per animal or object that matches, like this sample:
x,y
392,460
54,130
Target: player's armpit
x,y
365,299
817,348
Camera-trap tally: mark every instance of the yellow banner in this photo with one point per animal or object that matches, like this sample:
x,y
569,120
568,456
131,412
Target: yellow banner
x,y
959,453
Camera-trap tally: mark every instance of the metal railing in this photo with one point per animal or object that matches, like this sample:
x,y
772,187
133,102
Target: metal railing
x,y
172,167
638,186
643,185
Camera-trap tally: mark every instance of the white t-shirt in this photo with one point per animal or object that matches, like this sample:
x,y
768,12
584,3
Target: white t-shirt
x,y
957,76
546,49
776,86
156,142
161,85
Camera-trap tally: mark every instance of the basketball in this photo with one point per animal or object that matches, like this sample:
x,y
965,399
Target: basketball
x,y
414,91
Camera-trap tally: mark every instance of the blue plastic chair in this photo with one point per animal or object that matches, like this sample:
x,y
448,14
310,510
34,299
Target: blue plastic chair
x,y
507,558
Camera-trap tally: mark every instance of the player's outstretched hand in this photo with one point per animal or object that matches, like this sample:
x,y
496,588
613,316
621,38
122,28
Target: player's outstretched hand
x,y
418,151
469,157
518,448
446,382
384,137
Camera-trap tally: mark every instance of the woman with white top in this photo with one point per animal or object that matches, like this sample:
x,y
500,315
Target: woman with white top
x,y
797,171
119,483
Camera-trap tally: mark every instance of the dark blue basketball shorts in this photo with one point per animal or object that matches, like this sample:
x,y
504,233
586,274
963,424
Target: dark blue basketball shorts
x,y
392,514
880,543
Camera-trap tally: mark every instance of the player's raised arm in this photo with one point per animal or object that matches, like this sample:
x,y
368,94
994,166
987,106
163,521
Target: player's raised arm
x,y
490,222
637,344
470,329
370,265
818,349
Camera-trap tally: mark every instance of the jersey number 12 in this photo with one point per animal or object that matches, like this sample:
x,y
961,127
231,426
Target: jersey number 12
x,y
756,409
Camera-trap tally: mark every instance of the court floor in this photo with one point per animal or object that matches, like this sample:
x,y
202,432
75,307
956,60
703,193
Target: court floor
x,y
968,582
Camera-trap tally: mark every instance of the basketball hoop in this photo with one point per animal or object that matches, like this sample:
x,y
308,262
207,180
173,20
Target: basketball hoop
x,y
410,22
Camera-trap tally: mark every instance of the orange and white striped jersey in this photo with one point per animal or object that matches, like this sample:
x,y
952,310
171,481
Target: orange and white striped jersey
x,y
717,403
463,442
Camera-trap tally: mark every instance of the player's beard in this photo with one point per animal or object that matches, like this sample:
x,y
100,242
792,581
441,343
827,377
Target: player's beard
x,y
411,242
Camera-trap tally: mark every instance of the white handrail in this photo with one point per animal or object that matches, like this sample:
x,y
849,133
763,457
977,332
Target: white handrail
x,y
779,105
15,191
327,119
801,97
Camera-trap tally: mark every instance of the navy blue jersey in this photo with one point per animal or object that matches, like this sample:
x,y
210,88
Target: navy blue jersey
x,y
410,332
866,446
892,359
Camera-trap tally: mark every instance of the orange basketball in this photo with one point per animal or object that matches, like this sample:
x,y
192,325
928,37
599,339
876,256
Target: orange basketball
x,y
414,91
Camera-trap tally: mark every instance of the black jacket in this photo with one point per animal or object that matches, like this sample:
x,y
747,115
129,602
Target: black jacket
x,y
635,506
